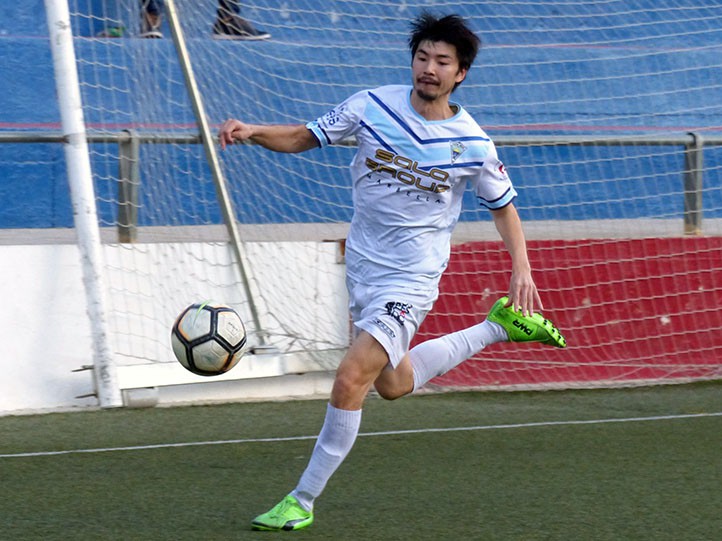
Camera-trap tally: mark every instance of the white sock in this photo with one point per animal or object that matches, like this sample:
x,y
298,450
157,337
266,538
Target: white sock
x,y
436,357
334,442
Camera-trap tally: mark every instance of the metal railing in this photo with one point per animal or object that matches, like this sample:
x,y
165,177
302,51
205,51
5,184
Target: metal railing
x,y
692,142
130,141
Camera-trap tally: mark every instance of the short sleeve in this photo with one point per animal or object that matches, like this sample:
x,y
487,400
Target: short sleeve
x,y
341,122
493,186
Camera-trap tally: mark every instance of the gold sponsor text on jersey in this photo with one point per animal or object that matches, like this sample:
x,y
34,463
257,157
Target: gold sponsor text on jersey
x,y
407,171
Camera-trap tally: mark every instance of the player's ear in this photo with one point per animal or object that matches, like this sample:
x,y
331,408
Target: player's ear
x,y
461,75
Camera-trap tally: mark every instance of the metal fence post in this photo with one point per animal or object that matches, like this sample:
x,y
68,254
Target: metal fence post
x,y
693,168
128,183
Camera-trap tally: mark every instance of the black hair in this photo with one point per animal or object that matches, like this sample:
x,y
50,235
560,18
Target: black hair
x,y
451,29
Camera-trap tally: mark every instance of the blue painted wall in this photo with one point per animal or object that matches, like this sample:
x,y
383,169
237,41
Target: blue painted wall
x,y
527,80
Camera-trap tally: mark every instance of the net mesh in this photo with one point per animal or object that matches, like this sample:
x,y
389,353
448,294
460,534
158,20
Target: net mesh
x,y
590,104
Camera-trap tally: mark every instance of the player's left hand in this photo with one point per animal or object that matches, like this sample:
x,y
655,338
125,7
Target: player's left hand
x,y
523,294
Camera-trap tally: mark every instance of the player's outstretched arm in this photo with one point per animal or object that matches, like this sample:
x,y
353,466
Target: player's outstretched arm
x,y
290,138
523,293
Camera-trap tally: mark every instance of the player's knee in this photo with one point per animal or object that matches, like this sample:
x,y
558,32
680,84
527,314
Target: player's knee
x,y
391,389
350,382
394,383
388,393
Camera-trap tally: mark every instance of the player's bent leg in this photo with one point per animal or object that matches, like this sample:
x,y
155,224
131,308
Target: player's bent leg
x,y
521,328
286,515
394,383
360,367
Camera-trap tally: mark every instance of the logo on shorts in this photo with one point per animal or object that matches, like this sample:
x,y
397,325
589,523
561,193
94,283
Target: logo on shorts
x,y
381,325
398,310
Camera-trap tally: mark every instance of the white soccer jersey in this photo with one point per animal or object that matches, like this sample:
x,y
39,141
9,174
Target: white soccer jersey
x,y
409,175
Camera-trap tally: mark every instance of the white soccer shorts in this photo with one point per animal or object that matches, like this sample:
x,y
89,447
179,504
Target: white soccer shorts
x,y
391,315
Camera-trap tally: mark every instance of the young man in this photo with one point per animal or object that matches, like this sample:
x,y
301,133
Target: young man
x,y
416,153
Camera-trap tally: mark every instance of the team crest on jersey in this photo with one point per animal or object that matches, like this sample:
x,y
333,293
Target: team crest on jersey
x,y
398,310
457,149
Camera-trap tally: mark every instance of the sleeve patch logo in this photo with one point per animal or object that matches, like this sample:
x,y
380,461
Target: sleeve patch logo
x,y
334,115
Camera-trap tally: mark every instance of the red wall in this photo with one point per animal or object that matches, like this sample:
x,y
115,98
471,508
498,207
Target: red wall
x,y
629,309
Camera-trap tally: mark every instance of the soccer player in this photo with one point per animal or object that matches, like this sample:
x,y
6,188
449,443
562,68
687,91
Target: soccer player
x,y
417,151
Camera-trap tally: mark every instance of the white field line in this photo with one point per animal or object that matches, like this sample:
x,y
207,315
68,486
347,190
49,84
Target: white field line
x,y
366,434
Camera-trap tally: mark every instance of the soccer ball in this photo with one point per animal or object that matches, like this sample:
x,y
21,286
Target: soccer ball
x,y
208,338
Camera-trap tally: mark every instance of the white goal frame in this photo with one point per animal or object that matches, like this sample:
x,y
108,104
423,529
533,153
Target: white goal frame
x,y
83,198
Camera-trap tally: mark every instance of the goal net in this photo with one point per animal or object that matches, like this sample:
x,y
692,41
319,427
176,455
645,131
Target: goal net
x,y
607,116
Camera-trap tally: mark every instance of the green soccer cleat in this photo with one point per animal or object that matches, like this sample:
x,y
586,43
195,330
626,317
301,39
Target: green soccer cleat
x,y
287,515
521,328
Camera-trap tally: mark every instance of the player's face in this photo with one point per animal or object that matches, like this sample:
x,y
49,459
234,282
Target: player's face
x,y
435,70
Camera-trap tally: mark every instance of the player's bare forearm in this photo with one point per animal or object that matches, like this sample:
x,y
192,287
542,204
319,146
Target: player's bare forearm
x,y
523,293
290,138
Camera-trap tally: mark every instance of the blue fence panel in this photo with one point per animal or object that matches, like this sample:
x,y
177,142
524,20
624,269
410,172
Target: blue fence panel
x,y
545,68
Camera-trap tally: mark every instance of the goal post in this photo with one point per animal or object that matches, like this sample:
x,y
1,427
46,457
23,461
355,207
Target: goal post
x,y
606,117
83,199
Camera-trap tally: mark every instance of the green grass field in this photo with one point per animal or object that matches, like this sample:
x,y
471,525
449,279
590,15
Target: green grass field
x,y
630,464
